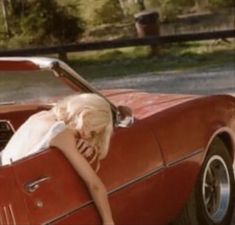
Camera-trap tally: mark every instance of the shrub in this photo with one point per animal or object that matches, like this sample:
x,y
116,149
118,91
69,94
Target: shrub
x,y
221,3
100,12
44,22
171,8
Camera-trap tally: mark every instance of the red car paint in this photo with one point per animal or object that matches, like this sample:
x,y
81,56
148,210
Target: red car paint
x,y
149,173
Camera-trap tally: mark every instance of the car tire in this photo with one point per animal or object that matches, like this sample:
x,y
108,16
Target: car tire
x,y
212,200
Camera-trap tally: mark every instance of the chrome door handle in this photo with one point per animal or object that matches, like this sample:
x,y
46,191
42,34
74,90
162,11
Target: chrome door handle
x,y
34,185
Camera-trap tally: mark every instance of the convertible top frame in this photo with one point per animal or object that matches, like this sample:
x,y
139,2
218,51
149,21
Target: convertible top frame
x,y
68,75
59,68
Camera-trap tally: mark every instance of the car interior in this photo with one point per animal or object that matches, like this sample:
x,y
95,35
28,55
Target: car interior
x,y
6,131
11,120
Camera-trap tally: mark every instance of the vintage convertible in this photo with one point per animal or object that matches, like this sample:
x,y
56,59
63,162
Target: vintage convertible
x,y
170,159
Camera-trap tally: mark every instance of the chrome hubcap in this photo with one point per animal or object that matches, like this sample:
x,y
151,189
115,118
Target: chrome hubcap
x,y
216,188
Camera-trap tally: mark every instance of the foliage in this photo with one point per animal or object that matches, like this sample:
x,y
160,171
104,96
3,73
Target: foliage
x,y
221,3
136,60
48,22
44,22
171,8
101,12
154,4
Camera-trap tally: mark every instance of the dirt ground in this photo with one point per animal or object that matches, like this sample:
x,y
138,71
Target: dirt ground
x,y
211,81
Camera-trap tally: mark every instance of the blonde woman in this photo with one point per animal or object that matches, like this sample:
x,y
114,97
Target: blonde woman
x,y
81,127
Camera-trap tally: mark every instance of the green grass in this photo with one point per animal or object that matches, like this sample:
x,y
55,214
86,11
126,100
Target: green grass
x,y
128,61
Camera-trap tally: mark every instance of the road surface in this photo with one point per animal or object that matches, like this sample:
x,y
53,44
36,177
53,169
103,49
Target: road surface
x,y
217,80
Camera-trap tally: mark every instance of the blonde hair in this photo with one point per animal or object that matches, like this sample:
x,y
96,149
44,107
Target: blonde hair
x,y
90,112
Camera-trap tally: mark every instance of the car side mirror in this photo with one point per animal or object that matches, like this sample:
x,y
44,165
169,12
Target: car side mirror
x,y
124,117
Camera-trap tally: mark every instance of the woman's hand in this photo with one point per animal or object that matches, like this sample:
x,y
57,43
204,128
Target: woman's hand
x,y
85,148
88,151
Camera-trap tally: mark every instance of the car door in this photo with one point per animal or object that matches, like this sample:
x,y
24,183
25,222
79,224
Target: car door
x,y
137,177
50,186
133,174
12,207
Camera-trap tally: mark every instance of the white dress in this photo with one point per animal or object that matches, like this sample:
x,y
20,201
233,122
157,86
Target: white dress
x,y
19,145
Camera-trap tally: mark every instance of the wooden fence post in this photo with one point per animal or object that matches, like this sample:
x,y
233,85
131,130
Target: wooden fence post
x,y
148,25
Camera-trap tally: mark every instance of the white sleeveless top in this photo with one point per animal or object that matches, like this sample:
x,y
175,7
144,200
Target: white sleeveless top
x,y
19,146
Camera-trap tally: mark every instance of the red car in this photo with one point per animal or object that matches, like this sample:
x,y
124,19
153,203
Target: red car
x,y
170,159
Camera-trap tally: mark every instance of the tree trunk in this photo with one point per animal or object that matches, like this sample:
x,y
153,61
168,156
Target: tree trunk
x,y
122,5
141,4
5,17
201,4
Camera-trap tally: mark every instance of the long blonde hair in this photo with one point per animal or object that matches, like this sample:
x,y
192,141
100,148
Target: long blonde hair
x,y
90,112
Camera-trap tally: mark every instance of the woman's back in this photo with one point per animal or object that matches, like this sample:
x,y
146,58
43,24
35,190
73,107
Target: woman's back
x,y
33,136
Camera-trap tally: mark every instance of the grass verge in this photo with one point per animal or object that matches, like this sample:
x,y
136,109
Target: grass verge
x,y
135,60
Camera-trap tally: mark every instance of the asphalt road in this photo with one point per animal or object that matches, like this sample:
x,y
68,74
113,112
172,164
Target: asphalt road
x,y
217,80
203,82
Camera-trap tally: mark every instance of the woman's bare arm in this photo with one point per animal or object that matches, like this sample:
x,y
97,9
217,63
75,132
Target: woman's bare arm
x,y
66,142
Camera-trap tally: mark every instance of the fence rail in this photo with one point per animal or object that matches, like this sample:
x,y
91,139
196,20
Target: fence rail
x,y
63,49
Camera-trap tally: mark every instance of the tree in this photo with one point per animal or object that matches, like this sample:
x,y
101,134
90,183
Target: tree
x,y
123,7
201,4
45,22
5,17
141,4
102,12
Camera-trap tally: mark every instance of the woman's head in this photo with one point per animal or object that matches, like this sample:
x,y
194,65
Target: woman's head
x,y
91,116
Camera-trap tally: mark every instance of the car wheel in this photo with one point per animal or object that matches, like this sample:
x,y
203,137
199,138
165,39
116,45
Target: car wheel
x,y
212,200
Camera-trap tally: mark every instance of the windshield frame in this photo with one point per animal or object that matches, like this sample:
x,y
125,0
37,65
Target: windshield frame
x,y
61,70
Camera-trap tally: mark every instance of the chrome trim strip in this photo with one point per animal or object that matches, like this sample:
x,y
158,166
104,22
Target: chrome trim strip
x,y
8,103
40,62
10,129
12,214
9,123
150,173
62,69
175,162
6,214
111,192
1,218
135,180
59,68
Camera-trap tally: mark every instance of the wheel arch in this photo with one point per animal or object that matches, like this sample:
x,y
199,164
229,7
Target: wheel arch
x,y
225,134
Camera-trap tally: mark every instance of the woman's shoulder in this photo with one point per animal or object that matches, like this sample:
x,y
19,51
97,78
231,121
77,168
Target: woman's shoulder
x,y
63,139
58,126
39,116
45,118
65,132
43,115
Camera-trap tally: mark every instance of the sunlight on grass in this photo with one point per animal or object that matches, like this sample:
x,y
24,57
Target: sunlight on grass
x,y
109,55
136,60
